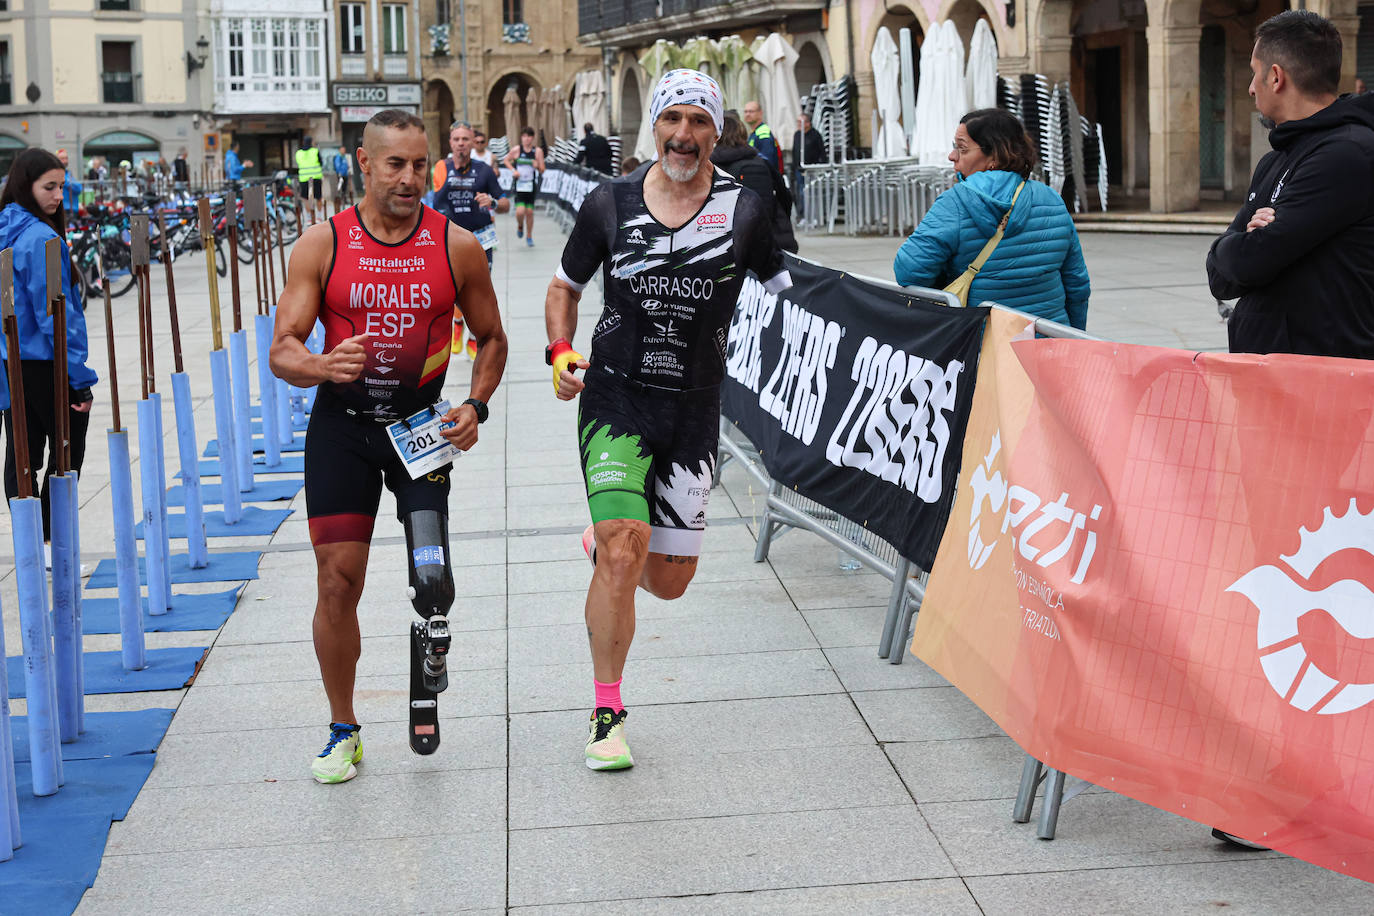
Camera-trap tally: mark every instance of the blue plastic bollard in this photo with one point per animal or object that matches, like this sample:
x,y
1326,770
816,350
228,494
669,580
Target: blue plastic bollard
x,y
303,400
267,391
9,796
131,643
197,550
66,637
165,541
224,429
283,403
284,431
80,669
45,752
154,534
243,420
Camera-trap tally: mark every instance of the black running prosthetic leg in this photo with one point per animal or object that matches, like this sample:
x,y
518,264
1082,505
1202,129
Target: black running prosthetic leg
x,y
431,593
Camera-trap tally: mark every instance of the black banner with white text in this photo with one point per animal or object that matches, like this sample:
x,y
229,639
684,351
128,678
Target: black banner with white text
x,y
856,395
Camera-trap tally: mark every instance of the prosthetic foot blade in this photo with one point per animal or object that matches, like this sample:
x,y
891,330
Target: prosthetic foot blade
x,y
424,707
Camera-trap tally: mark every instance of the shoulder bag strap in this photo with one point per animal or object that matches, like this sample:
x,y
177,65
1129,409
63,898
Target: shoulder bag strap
x,y
986,253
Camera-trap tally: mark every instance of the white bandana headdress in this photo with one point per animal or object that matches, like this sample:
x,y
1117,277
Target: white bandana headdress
x,y
688,87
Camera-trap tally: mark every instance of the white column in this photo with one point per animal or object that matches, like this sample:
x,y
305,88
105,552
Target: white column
x,y
415,51
376,36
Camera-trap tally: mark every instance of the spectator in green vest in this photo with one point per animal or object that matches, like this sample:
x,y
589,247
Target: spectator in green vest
x,y
310,174
761,135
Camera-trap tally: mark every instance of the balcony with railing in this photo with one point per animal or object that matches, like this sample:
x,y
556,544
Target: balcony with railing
x,y
118,87
643,21
353,65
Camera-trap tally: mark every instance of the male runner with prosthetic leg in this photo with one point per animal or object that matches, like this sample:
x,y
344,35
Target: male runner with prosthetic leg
x,y
384,277
673,243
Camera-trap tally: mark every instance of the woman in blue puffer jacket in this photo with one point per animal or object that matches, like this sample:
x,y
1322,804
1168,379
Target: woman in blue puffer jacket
x,y
1038,266
30,215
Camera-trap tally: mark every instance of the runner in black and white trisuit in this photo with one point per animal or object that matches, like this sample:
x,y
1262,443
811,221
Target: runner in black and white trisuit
x,y
383,277
467,191
673,243
528,162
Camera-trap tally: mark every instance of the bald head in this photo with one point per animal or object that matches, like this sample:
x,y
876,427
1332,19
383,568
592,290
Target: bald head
x,y
379,130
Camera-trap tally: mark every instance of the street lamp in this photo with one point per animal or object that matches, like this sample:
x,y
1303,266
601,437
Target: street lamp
x,y
197,61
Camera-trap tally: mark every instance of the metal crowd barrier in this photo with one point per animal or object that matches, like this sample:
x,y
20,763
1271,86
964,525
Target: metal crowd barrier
x,y
787,509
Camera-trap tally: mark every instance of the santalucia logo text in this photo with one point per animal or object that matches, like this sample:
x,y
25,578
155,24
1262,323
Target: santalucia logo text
x,y
894,425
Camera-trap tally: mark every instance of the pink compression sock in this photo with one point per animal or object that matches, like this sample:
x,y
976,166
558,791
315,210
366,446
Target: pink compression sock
x,y
608,695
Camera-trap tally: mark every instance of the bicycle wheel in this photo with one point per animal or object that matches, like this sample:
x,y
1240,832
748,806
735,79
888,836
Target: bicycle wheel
x,y
118,265
221,260
245,252
290,229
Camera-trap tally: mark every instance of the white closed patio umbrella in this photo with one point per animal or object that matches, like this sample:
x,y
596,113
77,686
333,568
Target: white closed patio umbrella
x,y
927,143
980,76
781,101
951,99
890,142
656,61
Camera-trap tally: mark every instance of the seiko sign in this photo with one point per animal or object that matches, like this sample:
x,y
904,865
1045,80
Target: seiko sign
x,y
377,94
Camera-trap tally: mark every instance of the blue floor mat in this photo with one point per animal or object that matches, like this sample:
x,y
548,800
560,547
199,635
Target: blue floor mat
x,y
224,567
263,491
168,669
189,612
297,445
64,834
254,521
290,464
107,734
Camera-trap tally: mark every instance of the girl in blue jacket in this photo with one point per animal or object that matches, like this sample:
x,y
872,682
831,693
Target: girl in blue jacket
x,y
1038,266
30,215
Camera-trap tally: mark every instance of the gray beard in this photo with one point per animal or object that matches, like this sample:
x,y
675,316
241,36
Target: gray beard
x,y
677,174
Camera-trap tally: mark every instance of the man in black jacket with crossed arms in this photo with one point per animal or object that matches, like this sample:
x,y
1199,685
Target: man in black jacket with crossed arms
x,y
1300,253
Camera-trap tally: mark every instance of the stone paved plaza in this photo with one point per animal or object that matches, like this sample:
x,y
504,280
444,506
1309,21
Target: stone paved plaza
x,y
782,767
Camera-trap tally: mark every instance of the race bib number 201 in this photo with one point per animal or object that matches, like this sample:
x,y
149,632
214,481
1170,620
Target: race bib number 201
x,y
419,440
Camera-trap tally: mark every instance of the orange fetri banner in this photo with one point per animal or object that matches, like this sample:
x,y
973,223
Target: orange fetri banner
x,y
1157,577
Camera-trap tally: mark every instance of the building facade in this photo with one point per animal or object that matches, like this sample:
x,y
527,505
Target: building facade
x,y
271,65
123,79
476,50
1167,79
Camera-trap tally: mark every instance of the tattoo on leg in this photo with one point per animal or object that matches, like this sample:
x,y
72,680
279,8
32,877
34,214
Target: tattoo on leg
x,y
680,561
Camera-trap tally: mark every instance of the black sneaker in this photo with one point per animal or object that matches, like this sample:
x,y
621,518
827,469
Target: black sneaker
x,y
1234,840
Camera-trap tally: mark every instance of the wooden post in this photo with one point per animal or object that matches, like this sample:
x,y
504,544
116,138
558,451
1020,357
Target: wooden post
x,y
231,219
171,292
57,308
19,429
216,331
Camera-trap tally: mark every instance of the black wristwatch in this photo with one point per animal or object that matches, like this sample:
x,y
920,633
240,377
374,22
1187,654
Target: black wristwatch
x,y
480,407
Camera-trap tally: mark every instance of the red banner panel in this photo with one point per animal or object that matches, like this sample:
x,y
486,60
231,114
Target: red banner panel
x,y
1157,577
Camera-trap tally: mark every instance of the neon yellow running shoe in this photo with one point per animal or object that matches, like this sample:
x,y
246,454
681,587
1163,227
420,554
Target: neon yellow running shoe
x,y
457,345
606,747
336,762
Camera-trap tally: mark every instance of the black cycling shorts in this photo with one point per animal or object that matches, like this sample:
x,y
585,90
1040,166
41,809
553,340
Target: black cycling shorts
x,y
649,454
347,459
525,198
313,187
